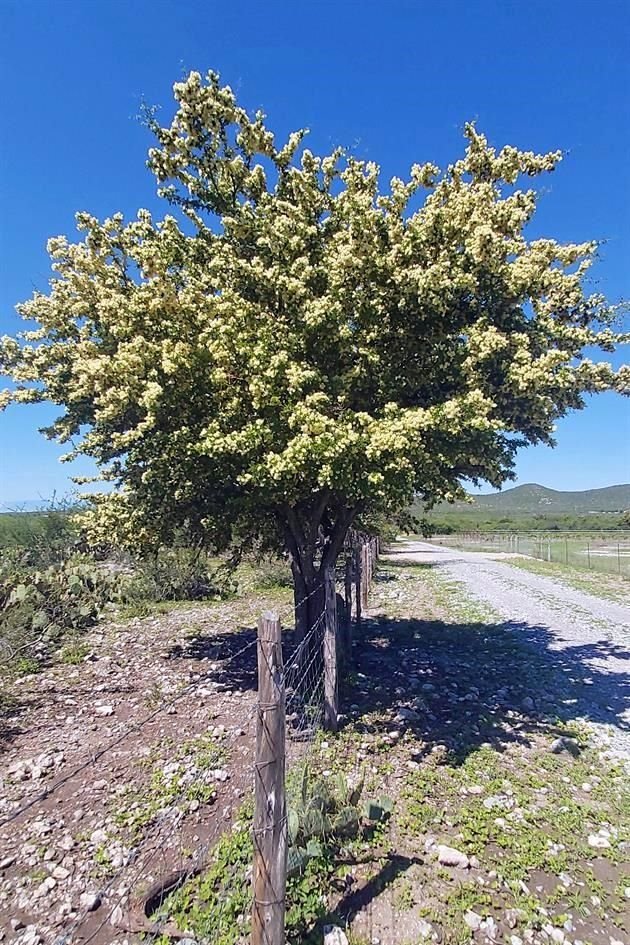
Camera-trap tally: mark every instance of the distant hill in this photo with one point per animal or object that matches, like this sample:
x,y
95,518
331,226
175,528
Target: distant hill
x,y
534,499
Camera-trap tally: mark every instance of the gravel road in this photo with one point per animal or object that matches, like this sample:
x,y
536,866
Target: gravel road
x,y
586,637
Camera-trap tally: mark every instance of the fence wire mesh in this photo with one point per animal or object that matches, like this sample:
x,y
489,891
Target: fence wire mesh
x,y
606,553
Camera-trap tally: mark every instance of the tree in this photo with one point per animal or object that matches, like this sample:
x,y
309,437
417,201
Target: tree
x,y
297,350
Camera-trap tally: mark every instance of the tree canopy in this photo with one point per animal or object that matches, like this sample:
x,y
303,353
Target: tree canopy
x,y
296,346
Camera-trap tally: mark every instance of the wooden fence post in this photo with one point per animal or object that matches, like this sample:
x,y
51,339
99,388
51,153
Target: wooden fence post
x,y
348,615
358,581
270,814
364,576
330,653
340,633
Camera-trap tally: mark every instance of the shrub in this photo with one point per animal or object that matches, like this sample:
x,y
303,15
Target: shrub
x,y
44,537
38,605
273,572
176,574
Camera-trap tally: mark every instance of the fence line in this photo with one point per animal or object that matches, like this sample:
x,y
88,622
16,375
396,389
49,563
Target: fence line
x,y
605,553
305,689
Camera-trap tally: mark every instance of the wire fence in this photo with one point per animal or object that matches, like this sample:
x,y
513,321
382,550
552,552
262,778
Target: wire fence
x,y
604,553
298,686
298,697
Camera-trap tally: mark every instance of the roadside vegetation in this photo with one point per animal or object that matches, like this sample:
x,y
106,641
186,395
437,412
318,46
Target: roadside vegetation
x,y
445,521
611,586
54,587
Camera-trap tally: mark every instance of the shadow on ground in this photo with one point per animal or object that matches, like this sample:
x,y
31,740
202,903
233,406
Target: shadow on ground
x,y
452,684
448,687
11,708
463,685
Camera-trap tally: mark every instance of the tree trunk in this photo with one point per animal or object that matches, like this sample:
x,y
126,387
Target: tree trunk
x,y
313,545
308,598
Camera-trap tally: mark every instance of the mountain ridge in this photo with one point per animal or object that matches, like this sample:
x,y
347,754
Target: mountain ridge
x,y
532,497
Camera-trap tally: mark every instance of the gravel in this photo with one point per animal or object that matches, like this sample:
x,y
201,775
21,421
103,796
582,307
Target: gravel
x,y
588,637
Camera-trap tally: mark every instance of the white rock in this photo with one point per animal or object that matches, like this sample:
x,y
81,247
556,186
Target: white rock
x,y
333,935
494,800
18,771
561,744
98,836
515,940
512,916
220,775
407,715
600,843
557,935
473,920
104,710
448,856
60,872
89,901
424,928
31,936
42,890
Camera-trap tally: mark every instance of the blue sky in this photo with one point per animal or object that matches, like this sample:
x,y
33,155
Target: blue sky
x,y
394,80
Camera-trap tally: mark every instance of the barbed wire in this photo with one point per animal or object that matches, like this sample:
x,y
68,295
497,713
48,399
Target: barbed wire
x,y
173,813
293,608
166,703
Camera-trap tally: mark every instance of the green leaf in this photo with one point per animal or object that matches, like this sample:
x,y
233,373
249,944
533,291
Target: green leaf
x,y
39,620
314,849
354,795
18,594
293,824
297,860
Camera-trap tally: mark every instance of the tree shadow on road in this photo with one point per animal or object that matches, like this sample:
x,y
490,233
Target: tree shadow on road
x,y
452,684
460,685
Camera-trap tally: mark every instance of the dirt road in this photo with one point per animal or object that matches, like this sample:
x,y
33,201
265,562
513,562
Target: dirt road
x,y
588,635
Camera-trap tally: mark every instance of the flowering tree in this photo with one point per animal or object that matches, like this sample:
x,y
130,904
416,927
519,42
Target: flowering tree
x,y
298,349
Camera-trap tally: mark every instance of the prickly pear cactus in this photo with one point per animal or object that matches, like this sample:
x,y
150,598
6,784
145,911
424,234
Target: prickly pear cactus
x,y
322,811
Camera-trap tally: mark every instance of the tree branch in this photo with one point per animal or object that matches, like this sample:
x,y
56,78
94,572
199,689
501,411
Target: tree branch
x,y
337,537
